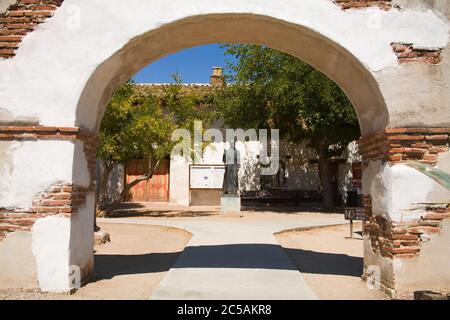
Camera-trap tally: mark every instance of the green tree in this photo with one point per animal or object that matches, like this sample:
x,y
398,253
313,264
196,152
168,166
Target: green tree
x,y
271,89
139,125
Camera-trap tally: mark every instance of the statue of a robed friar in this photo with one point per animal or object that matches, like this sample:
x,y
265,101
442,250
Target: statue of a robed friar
x,y
230,201
231,159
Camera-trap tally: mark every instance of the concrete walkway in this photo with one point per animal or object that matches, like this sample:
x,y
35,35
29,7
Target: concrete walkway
x,y
233,258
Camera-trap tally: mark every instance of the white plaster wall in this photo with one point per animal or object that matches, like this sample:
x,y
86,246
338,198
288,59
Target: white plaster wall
x,y
431,269
82,238
441,7
179,180
249,172
213,153
51,239
345,171
63,245
399,192
28,168
417,89
18,266
78,30
4,4
375,261
396,192
301,175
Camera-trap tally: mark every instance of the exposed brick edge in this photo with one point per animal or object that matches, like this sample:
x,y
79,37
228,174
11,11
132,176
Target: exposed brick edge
x,y
59,199
401,240
405,144
39,133
407,53
20,19
358,4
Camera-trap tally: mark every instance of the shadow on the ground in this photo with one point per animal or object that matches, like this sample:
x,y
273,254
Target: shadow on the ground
x,y
246,256
326,263
108,266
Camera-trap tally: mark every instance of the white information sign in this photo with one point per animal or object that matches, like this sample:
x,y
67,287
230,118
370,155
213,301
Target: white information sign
x,y
206,177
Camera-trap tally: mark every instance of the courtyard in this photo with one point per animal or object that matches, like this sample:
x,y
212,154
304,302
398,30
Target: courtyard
x,y
162,251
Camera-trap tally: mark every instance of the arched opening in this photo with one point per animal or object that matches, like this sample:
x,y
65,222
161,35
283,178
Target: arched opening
x,y
303,43
307,45
100,53
331,59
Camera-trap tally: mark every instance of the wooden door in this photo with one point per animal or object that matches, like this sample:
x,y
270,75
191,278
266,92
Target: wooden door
x,y
154,189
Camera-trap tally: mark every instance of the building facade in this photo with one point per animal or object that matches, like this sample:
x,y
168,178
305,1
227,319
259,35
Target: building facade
x,y
180,180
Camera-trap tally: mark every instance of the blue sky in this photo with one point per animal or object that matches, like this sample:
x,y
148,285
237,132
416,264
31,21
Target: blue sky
x,y
194,64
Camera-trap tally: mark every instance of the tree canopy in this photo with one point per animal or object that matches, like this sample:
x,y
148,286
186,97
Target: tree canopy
x,y
138,125
271,89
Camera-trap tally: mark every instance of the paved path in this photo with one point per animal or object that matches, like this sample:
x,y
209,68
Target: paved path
x,y
233,259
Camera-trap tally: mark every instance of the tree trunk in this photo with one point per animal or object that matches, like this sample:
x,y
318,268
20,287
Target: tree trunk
x,y
100,196
325,179
101,191
128,187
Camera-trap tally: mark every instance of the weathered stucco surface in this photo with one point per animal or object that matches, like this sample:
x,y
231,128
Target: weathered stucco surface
x,y
439,6
28,168
82,239
398,190
125,37
434,255
417,94
62,245
4,4
18,266
51,236
382,265
65,72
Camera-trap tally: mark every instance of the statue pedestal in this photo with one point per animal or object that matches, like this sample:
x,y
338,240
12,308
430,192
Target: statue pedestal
x,y
230,204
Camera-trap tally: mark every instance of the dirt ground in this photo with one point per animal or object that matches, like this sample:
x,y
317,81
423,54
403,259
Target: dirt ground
x,y
138,257
128,267
330,262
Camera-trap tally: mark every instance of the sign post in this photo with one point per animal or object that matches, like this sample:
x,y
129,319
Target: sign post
x,y
354,213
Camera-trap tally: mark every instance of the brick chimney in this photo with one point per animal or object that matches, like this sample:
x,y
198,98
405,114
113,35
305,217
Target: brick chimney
x,y
217,78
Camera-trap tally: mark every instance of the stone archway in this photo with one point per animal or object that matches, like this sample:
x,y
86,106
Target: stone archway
x,y
322,53
72,63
